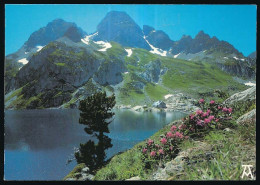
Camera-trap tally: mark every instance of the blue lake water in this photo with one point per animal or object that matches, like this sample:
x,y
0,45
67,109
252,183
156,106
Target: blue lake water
x,y
38,143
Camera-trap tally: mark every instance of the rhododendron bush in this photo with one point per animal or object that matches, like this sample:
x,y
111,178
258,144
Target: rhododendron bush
x,y
210,116
166,147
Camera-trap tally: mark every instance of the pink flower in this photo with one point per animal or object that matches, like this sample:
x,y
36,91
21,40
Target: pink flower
x,y
211,118
219,107
206,121
201,101
191,116
204,114
208,111
157,146
150,142
173,128
199,123
216,120
230,110
198,112
186,137
163,141
153,153
179,135
144,150
212,102
182,126
161,151
224,109
171,147
169,135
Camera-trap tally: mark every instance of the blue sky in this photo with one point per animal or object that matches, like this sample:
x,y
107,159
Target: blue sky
x,y
233,23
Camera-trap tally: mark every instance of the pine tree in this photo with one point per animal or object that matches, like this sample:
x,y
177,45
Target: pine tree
x,y
96,113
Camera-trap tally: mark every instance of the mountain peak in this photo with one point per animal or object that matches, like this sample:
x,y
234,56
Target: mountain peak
x,y
201,34
186,37
120,27
54,30
147,29
114,12
74,33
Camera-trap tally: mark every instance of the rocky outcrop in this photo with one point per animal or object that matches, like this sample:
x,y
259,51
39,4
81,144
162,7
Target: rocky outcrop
x,y
247,95
83,175
180,102
152,71
159,104
249,117
110,72
238,68
52,75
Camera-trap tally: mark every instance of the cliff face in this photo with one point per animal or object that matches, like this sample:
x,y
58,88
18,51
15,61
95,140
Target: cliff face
x,y
58,70
245,68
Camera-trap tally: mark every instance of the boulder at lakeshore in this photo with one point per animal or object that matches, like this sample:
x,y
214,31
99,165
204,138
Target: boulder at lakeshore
x,y
159,104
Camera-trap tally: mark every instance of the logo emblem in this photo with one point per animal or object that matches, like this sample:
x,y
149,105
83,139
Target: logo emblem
x,y
247,171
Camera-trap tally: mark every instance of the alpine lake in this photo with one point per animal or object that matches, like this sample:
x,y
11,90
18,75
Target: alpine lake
x,y
38,143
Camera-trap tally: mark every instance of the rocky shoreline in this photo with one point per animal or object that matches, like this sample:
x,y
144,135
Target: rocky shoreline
x,y
172,102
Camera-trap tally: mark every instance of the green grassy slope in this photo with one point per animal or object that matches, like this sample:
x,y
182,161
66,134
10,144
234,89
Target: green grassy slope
x,y
191,78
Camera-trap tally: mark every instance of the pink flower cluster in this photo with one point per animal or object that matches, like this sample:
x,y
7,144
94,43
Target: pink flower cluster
x,y
166,144
227,110
150,142
209,114
163,141
201,101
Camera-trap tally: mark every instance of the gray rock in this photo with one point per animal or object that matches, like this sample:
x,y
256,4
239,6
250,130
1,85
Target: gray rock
x,y
248,116
70,179
136,178
249,94
86,177
159,104
227,129
138,108
85,170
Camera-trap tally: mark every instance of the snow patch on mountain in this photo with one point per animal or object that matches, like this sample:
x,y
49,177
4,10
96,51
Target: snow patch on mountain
x,y
23,61
129,52
175,56
155,50
105,45
87,38
236,58
39,48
